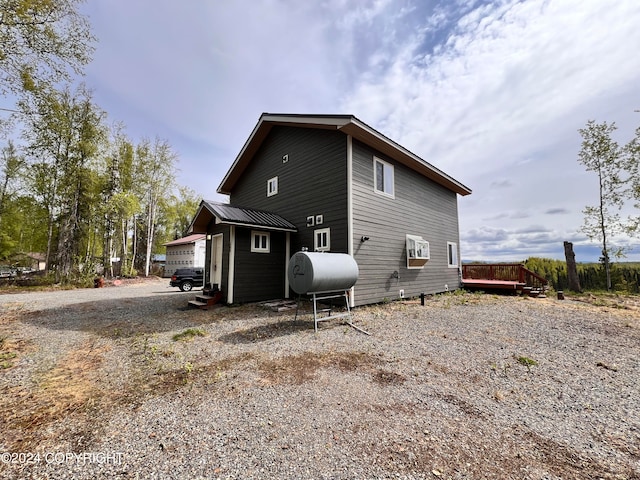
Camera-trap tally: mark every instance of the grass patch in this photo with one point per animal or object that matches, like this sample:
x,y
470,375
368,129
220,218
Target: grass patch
x,y
189,334
8,352
70,390
527,362
4,359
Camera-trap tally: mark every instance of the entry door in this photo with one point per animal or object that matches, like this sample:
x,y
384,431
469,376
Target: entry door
x,y
216,260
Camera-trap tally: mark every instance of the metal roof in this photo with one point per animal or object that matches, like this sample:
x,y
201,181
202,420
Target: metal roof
x,y
349,125
185,240
245,217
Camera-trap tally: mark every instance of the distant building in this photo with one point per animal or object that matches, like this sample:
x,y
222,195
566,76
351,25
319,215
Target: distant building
x,y
185,252
33,260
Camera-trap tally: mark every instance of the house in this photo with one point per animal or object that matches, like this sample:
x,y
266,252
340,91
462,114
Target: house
x,y
185,252
34,261
331,183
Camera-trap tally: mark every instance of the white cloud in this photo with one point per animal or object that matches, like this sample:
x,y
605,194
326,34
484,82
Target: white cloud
x,y
498,103
490,92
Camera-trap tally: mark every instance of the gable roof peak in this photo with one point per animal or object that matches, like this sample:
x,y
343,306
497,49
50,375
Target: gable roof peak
x,y
349,124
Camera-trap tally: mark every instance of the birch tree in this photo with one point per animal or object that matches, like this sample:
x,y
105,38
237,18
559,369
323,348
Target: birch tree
x,y
601,154
41,41
156,171
11,166
64,138
119,200
632,166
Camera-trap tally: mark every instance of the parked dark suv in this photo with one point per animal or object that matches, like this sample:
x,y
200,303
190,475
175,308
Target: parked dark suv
x,y
187,278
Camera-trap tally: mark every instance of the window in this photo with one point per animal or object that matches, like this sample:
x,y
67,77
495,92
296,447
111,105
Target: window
x,y
452,254
260,242
383,177
417,251
272,186
322,240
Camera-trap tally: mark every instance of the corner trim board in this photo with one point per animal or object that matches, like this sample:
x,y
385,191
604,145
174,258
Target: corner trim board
x,y
232,262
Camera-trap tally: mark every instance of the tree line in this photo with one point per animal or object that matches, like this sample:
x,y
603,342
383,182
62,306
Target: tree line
x,y
624,276
72,186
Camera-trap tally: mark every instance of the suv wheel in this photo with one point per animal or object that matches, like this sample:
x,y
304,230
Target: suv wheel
x,y
186,286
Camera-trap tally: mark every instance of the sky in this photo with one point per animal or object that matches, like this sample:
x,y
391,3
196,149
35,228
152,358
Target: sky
x,y
491,92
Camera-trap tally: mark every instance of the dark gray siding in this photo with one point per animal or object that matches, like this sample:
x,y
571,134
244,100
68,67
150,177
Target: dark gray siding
x,y
259,276
420,207
312,182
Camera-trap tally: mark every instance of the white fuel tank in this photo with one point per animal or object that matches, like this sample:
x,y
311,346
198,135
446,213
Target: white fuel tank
x,y
318,272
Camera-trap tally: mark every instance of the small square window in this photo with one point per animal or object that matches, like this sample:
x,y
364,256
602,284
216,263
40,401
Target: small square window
x,y
322,240
383,177
260,242
452,254
272,186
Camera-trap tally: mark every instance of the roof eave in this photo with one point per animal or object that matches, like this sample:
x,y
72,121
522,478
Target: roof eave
x,y
193,229
260,132
363,132
204,204
259,227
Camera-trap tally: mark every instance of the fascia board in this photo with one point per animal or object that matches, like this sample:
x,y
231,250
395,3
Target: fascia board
x,y
259,133
375,139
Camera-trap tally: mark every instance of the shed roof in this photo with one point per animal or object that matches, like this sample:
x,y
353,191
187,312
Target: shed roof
x,y
348,124
185,240
232,215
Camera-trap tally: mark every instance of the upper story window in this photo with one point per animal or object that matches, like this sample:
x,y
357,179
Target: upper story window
x,y
272,186
322,240
260,242
383,177
452,254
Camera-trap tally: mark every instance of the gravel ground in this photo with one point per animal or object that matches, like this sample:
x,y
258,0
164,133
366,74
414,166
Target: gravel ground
x,y
99,383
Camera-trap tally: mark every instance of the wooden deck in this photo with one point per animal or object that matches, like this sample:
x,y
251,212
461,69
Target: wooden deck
x,y
496,284
502,276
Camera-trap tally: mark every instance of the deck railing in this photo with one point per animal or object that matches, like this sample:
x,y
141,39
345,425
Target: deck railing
x,y
513,272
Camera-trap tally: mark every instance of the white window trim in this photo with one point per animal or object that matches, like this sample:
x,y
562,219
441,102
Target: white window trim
x,y
326,247
375,178
413,260
254,249
272,186
455,255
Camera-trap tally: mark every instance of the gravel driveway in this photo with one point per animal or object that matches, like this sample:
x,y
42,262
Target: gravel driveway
x,y
126,382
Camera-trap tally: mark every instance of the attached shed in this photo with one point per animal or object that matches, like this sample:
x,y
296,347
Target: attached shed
x,y
248,251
